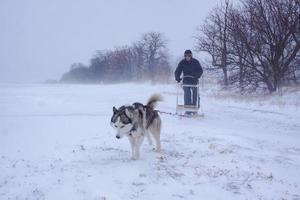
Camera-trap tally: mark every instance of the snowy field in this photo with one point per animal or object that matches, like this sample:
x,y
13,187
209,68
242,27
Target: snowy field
x,y
56,143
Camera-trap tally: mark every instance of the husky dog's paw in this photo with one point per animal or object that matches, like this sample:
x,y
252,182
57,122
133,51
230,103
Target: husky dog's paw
x,y
134,157
157,150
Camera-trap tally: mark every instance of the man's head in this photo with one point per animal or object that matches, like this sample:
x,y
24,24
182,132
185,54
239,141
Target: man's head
x,y
188,55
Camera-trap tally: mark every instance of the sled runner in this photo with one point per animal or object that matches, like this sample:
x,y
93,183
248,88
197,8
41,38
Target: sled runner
x,y
194,110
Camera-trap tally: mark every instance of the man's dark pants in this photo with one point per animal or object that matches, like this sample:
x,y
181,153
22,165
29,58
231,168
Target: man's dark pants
x,y
190,95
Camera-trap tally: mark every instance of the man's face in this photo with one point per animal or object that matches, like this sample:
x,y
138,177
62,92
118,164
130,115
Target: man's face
x,y
188,57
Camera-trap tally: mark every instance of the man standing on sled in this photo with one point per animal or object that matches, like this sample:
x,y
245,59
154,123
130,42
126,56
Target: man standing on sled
x,y
192,71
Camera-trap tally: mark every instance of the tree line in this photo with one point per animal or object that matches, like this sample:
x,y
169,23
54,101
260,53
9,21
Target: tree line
x,y
255,43
146,59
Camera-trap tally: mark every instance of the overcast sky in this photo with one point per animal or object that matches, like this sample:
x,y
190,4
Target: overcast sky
x,y
40,39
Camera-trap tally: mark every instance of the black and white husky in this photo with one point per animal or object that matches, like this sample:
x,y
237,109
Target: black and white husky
x,y
137,121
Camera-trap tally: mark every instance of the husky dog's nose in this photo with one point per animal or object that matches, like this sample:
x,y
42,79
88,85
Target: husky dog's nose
x,y
118,137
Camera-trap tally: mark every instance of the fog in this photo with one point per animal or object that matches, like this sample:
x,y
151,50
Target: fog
x,y
40,39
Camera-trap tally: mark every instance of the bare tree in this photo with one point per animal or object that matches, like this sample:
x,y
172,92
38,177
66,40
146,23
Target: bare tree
x,y
271,37
79,73
145,59
213,38
256,45
155,51
137,60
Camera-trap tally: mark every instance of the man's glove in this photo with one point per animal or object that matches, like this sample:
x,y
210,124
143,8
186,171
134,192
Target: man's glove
x,y
178,80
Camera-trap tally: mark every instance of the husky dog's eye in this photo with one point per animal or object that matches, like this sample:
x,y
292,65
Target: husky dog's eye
x,y
116,126
122,126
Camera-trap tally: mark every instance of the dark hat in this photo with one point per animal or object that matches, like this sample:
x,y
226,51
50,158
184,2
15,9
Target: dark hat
x,y
187,52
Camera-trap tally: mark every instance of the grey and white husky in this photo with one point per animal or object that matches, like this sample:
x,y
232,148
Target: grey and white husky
x,y
137,121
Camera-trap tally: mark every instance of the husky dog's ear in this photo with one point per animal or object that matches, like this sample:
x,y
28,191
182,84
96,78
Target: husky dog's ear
x,y
115,110
129,114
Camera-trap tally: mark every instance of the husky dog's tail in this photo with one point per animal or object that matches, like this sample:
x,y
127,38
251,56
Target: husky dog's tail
x,y
153,100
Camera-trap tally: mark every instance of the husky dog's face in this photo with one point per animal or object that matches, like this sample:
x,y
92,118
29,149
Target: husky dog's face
x,y
121,121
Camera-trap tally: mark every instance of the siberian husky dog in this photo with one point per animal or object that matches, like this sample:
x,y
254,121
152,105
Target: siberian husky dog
x,y
137,121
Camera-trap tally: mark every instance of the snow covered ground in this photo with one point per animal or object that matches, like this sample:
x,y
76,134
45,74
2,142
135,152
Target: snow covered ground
x,y
56,143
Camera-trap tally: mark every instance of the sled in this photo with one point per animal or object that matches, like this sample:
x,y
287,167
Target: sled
x,y
181,109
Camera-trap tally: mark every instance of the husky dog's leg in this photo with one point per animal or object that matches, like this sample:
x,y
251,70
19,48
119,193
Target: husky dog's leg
x,y
155,129
157,141
135,143
132,141
134,147
148,137
139,141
